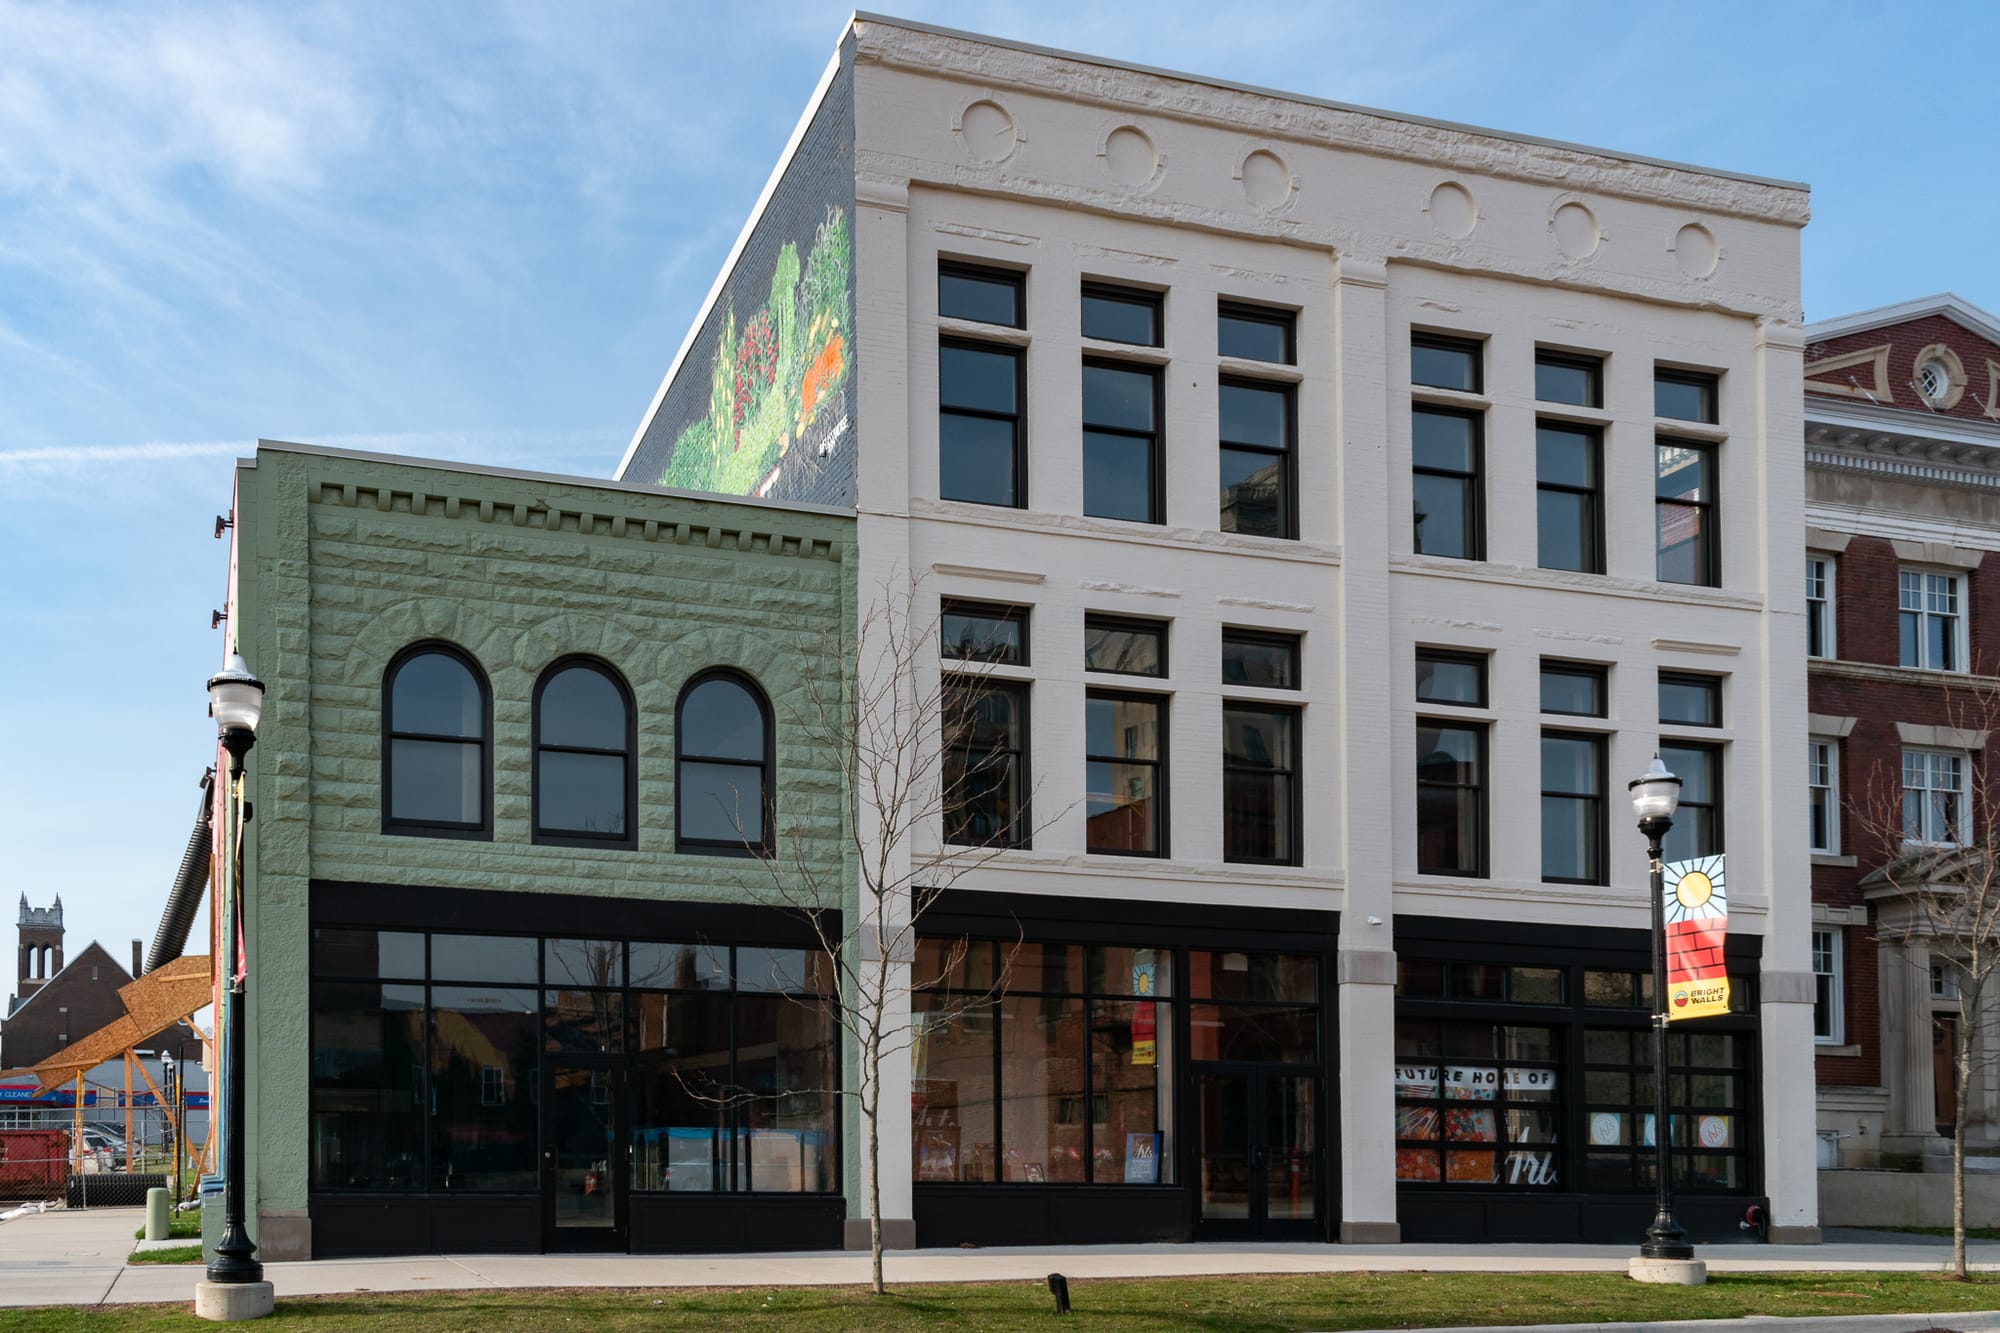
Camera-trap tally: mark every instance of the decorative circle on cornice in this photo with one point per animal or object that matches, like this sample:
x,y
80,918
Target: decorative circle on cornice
x,y
1695,251
1129,156
1944,386
1574,228
1267,182
1453,211
987,132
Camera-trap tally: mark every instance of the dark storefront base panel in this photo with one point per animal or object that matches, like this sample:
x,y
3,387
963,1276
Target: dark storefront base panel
x,y
349,1226
1569,1218
950,1215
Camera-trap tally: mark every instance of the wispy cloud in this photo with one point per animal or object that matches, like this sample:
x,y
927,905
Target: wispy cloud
x,y
473,446
61,456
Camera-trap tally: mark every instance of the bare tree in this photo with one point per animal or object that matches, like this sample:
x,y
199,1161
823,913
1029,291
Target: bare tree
x,y
1936,828
930,790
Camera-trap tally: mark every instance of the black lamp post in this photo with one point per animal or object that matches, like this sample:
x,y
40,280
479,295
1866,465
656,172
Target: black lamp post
x,y
1655,797
236,698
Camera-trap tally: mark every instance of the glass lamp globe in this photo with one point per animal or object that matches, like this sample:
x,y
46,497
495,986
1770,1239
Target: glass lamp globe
x,y
235,697
1656,794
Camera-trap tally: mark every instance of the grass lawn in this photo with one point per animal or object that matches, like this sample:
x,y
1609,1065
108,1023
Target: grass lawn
x,y
179,1226
178,1254
1266,1304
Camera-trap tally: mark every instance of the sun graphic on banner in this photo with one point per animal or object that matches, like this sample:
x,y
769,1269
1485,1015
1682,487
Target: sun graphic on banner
x,y
1695,890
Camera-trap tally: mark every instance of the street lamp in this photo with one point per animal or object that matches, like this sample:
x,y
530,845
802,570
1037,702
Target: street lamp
x,y
236,698
1655,797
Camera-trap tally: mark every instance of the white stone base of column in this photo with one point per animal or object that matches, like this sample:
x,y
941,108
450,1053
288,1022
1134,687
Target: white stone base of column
x,y
231,1302
1669,1272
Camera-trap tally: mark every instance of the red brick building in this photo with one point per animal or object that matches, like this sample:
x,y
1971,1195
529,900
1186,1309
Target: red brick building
x,y
1902,435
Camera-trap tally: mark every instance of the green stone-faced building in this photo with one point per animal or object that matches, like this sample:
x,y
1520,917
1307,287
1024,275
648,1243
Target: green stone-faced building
x,y
516,981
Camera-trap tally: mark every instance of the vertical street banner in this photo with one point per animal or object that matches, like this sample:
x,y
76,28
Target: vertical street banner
x,y
1145,1049
1697,917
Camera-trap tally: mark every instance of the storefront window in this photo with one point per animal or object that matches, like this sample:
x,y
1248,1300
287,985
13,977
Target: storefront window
x,y
367,1084
1705,1091
1477,1104
680,1082
483,1088
1058,1069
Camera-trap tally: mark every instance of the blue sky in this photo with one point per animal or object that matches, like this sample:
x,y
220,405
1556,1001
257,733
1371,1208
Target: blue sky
x,y
479,232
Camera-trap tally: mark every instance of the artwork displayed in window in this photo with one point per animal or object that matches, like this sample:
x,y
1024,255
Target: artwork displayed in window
x,y
1931,620
722,773
1064,1075
1477,1104
1708,1100
985,739
584,738
437,762
1125,774
1449,508
1934,795
1446,363
1684,513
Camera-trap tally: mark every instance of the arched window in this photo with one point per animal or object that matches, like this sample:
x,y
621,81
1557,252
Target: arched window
x,y
437,755
584,746
723,766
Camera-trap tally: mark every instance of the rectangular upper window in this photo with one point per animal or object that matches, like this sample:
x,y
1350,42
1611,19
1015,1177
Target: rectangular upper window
x,y
1449,508
1270,661
1934,797
1819,606
1931,619
1121,315
1260,783
1121,442
1125,773
1569,502
1827,1017
1445,363
1451,678
1127,647
980,454
1684,395
978,632
1451,799
1823,795
1697,829
984,295
1575,380
1684,513
984,773
1255,455
1573,688
1254,333
1573,808
1690,701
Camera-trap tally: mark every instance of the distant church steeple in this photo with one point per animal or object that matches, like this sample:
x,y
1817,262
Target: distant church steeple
x,y
41,949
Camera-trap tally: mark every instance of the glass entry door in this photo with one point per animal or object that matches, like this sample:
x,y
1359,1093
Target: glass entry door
x,y
1259,1155
583,1176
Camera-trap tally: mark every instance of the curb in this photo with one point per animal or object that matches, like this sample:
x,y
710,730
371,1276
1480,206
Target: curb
x,y
1967,1321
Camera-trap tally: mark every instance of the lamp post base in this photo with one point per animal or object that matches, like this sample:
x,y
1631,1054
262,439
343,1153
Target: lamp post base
x,y
1670,1272
229,1302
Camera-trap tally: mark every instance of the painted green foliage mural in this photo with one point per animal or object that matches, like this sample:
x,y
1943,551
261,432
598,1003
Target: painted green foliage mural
x,y
778,382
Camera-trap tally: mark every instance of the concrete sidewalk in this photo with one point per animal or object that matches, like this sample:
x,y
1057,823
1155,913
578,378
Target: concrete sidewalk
x,y
66,1257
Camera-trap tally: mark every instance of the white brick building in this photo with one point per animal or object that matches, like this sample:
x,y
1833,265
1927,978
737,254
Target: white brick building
x,y
1578,370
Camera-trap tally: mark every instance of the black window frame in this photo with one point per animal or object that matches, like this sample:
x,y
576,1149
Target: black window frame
x,y
1010,277
1693,680
1457,657
1271,638
1003,612
1163,750
1288,474
1482,815
767,770
1593,366
1714,752
966,688
1018,418
1474,349
1708,538
541,837
1707,382
1592,671
1156,447
1247,313
1294,851
1599,872
1592,554
1136,296
480,831
1130,625
1474,480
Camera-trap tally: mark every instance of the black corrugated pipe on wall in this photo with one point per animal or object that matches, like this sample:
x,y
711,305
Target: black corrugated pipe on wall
x,y
189,884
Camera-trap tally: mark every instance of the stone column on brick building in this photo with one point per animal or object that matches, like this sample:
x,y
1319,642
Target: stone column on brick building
x,y
1905,970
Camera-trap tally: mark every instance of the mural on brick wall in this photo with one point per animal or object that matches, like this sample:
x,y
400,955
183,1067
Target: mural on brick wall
x,y
763,402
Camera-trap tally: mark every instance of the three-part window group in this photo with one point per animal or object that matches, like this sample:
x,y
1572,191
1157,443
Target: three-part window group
x,y
437,755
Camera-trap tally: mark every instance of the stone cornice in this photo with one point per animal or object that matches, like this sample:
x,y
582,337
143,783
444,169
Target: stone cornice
x,y
1230,106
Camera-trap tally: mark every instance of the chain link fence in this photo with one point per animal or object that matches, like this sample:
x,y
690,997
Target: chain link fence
x,y
107,1153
